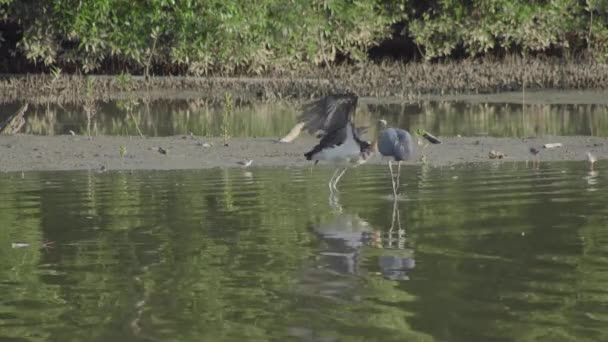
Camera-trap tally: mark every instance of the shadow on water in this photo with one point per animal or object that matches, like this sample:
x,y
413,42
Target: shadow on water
x,y
500,251
204,118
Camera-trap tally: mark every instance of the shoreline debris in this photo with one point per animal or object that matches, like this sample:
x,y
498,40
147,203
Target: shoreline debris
x,y
428,136
552,145
496,155
15,122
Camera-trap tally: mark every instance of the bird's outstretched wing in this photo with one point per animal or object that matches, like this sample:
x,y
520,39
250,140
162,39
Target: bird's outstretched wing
x,y
334,138
328,113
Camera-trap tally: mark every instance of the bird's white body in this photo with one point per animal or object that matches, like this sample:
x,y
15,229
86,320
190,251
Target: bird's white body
x,y
346,152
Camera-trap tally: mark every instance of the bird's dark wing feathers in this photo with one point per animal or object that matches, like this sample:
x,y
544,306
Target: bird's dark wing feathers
x,y
331,139
328,113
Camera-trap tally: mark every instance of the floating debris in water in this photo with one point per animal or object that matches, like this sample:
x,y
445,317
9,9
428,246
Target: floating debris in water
x,y
20,244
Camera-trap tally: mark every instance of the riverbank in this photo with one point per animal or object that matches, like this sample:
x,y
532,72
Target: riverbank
x,y
101,153
409,81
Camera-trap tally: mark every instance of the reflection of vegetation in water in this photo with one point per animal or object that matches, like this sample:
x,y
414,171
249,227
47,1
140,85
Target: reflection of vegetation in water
x,y
227,117
467,119
126,117
218,253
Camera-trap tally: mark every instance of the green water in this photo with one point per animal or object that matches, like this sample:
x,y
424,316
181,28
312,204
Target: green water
x,y
203,118
470,253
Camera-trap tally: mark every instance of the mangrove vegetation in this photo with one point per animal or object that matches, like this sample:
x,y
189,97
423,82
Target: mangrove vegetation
x,y
269,37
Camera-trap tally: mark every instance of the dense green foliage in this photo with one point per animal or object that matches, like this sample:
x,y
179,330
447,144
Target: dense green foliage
x,y
197,37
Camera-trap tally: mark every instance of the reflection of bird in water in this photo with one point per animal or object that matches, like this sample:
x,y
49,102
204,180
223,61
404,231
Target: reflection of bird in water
x,y
340,142
591,159
343,237
591,179
395,267
346,234
592,175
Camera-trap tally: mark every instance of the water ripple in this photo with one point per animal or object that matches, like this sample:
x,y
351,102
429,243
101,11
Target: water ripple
x,y
468,252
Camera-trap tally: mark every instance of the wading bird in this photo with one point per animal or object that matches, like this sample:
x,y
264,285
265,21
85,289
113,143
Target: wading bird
x,y
397,144
534,151
340,141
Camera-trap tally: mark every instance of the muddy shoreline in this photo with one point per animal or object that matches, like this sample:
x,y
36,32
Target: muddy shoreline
x,y
410,81
66,152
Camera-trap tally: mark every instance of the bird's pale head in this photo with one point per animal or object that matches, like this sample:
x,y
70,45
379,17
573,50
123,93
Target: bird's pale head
x,y
382,123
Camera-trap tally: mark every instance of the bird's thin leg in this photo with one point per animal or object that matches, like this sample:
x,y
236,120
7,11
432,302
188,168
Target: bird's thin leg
x,y
399,220
390,231
339,173
338,179
398,173
390,167
334,202
331,188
